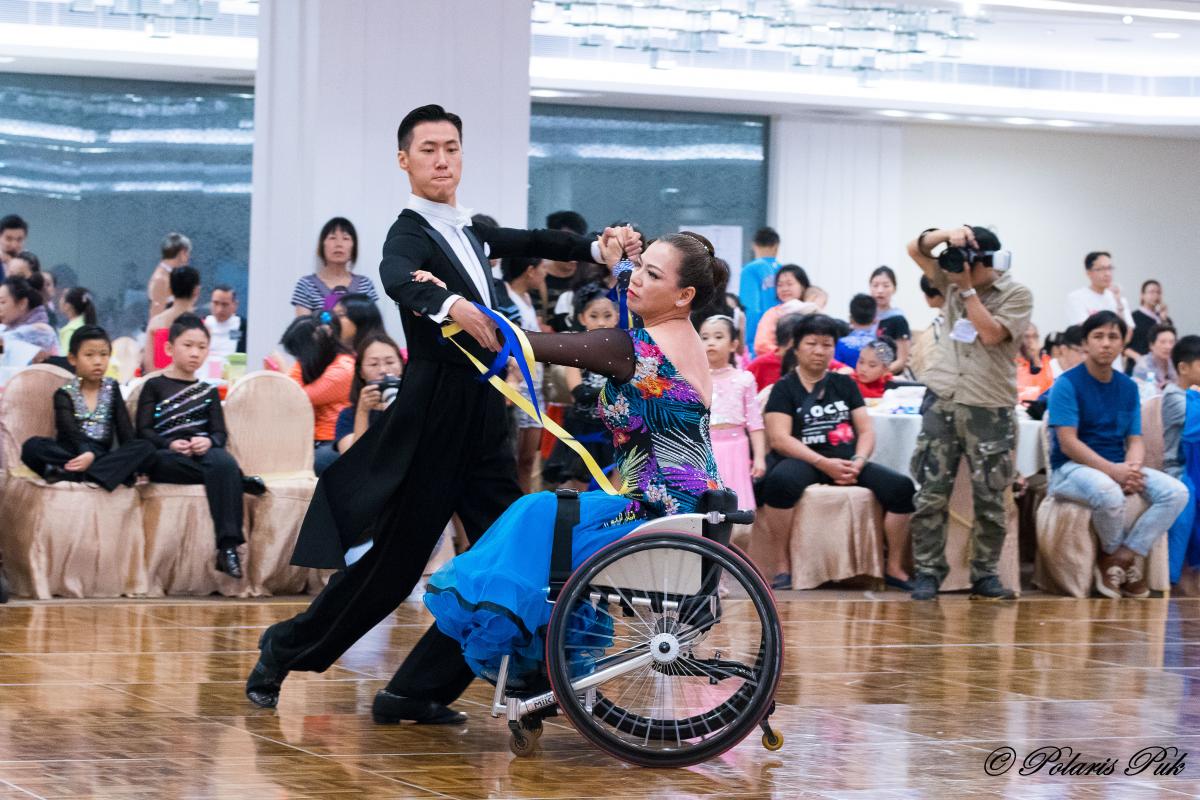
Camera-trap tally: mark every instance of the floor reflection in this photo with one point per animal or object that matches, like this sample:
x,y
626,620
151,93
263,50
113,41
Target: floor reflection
x,y
878,699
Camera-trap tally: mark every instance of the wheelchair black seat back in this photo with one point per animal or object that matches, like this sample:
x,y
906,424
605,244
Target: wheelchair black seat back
x,y
643,655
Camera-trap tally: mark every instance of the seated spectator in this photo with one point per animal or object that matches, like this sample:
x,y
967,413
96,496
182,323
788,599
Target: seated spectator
x,y
1070,355
767,368
94,438
890,321
1096,458
337,250
862,330
1181,454
325,371
227,329
176,251
1150,312
185,293
819,431
23,319
181,416
1155,367
1034,376
791,282
79,308
872,374
358,317
378,357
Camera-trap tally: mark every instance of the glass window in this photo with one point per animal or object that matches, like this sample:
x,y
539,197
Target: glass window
x,y
659,169
103,169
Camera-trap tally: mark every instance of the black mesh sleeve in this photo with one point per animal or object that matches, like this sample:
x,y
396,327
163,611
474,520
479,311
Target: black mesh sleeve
x,y
608,351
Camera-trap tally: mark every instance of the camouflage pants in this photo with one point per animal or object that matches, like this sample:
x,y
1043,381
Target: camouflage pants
x,y
986,437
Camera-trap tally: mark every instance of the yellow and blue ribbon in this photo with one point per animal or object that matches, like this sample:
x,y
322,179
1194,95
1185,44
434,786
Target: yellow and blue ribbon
x,y
516,345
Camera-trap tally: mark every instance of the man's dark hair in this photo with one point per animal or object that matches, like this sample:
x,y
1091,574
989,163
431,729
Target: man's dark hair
x,y
815,325
225,287
1072,336
184,323
513,267
10,221
985,237
1102,319
1090,259
571,221
87,333
1159,329
173,244
429,113
1186,351
184,281
766,237
863,309
929,289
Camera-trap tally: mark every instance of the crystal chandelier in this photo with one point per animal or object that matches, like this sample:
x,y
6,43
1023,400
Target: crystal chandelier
x,y
860,35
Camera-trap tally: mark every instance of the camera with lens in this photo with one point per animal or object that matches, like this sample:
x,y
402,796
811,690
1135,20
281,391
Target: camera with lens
x,y
956,259
388,385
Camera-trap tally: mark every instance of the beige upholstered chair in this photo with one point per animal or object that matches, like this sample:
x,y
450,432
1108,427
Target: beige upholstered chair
x,y
181,543
836,534
66,539
1067,545
958,537
270,421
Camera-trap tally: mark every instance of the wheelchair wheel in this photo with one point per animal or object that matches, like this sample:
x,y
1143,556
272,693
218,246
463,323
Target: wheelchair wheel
x,y
649,664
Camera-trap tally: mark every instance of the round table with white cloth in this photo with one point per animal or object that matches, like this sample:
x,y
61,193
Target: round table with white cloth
x,y
896,439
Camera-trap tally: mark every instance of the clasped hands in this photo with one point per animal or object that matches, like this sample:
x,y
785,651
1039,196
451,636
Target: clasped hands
x,y
615,244
1129,476
195,446
844,472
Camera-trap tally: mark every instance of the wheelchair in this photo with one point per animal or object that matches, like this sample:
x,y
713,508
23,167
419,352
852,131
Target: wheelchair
x,y
644,656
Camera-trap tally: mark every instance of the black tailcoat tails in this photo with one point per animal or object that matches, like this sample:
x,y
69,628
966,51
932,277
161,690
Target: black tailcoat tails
x,y
440,449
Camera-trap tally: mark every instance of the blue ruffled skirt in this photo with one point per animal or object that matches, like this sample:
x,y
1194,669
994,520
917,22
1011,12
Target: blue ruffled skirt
x,y
493,598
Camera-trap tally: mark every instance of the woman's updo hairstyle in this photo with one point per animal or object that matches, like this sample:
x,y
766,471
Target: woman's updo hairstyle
x,y
699,266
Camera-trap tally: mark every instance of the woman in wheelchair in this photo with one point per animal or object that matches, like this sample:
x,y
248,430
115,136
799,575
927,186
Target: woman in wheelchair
x,y
493,598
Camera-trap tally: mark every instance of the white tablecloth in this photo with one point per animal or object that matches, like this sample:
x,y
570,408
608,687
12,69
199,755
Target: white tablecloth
x,y
896,439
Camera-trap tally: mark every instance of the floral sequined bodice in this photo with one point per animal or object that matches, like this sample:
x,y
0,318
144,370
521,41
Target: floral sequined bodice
x,y
659,426
96,424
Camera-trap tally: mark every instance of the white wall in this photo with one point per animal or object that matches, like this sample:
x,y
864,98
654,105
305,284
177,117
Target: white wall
x,y
334,81
1053,196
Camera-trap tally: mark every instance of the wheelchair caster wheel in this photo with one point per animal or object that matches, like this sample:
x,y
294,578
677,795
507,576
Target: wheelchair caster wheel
x,y
522,745
533,729
773,741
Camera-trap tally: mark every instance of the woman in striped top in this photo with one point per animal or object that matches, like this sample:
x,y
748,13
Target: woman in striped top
x,y
337,248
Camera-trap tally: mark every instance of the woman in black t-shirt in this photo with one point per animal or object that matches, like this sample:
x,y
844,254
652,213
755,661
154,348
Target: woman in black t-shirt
x,y
819,431
891,321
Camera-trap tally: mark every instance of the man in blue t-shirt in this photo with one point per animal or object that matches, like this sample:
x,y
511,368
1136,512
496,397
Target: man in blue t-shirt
x,y
757,289
1096,458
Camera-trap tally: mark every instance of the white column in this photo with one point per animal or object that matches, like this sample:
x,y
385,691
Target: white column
x,y
334,80
834,197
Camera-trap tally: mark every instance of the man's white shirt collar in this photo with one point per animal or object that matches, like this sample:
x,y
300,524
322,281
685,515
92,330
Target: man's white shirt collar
x,y
456,216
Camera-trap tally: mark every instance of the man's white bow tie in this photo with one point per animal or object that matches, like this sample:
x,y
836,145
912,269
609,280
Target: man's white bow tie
x,y
462,218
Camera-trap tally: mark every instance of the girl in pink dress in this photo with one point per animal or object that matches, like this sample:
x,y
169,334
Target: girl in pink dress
x,y
738,441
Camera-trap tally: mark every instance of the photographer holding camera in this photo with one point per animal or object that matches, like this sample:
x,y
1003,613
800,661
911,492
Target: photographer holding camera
x,y
972,389
377,371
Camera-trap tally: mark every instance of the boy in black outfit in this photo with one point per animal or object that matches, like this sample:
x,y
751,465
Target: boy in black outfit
x,y
182,417
94,438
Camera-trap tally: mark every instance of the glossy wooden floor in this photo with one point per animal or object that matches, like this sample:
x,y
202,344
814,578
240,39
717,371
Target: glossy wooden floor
x,y
882,697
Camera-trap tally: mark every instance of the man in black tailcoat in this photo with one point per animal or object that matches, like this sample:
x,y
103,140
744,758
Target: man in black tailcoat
x,y
440,449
